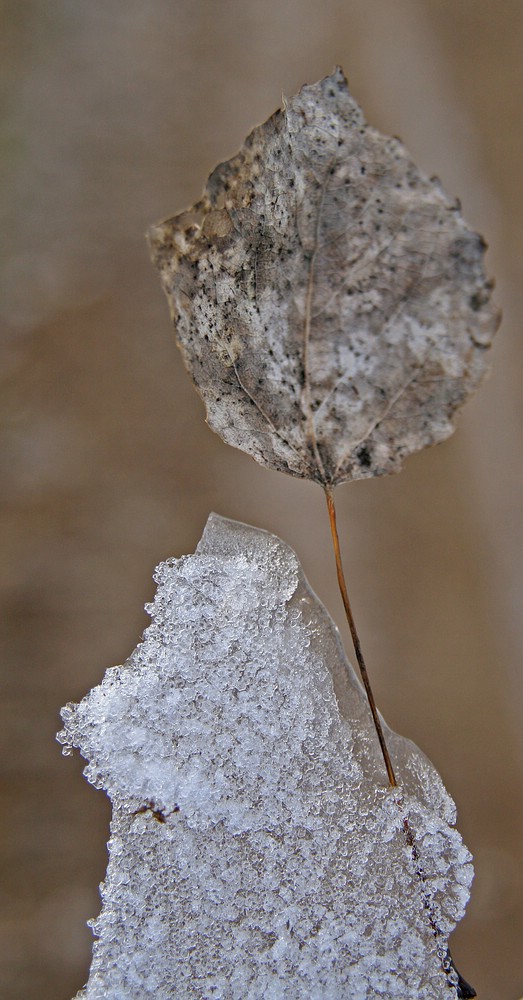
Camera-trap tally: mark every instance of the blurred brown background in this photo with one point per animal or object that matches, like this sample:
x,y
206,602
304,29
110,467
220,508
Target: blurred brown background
x,y
113,115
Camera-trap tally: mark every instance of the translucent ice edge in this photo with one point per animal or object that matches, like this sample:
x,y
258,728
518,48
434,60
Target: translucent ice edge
x,y
256,848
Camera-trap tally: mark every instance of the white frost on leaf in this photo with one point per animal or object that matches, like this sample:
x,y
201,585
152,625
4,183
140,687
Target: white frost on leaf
x,y
328,298
255,848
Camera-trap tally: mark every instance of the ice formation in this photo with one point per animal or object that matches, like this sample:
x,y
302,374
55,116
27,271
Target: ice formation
x,y
256,850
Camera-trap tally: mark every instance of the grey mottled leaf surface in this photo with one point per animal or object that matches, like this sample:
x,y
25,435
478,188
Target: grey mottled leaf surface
x,y
328,298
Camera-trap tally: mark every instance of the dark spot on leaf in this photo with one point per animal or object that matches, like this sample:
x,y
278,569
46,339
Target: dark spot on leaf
x,y
364,457
476,301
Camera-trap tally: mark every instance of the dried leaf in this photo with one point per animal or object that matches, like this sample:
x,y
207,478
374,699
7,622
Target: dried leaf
x,y
329,300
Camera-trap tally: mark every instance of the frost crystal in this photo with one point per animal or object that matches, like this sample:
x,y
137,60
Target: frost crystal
x,y
255,848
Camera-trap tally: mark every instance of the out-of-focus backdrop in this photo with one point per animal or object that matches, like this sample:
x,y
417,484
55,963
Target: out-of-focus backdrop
x,y
113,115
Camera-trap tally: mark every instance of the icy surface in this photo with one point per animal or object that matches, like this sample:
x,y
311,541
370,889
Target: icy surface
x,y
256,850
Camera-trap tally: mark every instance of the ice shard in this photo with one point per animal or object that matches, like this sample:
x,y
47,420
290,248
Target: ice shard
x,y
256,849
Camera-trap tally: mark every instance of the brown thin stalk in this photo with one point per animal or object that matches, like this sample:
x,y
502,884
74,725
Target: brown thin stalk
x,y
355,638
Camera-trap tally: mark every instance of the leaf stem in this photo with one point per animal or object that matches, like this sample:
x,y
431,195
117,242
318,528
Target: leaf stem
x,y
355,638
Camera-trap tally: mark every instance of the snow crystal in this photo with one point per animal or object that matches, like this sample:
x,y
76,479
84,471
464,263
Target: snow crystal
x,y
256,849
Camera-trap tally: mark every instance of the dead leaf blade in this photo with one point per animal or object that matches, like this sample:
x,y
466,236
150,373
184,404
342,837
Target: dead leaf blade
x,y
329,300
